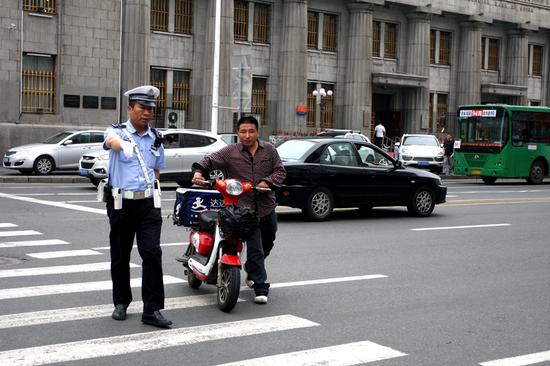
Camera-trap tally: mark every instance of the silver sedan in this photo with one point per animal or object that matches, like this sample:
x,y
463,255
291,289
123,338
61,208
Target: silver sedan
x,y
59,152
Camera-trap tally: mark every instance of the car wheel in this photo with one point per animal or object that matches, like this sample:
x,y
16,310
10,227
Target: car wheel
x,y
319,205
43,165
422,202
536,174
217,174
489,180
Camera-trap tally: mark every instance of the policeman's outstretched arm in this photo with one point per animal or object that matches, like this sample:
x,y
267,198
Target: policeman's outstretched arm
x,y
116,143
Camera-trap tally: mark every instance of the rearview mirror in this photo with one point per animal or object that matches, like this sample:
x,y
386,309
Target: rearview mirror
x,y
67,142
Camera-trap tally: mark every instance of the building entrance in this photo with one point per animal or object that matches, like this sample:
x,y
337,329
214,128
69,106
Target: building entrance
x,y
391,119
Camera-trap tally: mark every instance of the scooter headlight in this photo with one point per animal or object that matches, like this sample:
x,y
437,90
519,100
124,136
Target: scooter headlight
x,y
234,187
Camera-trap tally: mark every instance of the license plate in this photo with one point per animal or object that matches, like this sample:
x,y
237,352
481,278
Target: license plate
x,y
423,163
476,172
6,160
84,172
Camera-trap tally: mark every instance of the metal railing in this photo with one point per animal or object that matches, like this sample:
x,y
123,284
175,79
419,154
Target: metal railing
x,y
38,91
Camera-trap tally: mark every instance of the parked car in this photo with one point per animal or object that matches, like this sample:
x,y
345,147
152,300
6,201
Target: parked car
x,y
230,138
59,152
343,134
326,173
420,151
182,147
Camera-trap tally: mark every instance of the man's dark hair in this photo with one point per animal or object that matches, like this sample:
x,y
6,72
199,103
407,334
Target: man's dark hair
x,y
247,119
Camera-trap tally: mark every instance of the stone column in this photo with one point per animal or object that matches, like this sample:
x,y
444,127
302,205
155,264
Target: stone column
x,y
136,39
225,116
357,87
417,62
469,64
293,66
517,61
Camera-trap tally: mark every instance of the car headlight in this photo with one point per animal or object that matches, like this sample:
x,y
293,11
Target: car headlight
x,y
234,187
405,151
103,157
406,157
439,158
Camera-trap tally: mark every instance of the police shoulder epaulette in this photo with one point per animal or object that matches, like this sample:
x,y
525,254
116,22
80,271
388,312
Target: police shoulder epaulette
x,y
118,125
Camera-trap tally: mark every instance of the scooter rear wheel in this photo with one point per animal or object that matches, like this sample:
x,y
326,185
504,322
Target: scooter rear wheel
x,y
229,287
192,280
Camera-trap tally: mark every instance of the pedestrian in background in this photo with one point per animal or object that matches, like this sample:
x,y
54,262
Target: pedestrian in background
x,y
379,133
133,205
449,146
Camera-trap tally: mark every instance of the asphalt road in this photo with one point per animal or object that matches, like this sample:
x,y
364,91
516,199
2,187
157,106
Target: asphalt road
x,y
467,286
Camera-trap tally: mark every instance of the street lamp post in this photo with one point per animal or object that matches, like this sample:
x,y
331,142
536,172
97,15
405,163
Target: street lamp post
x,y
319,93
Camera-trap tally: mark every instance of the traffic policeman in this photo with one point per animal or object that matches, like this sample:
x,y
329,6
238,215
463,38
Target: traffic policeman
x,y
133,205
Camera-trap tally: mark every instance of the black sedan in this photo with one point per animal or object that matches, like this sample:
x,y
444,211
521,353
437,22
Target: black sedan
x,y
326,173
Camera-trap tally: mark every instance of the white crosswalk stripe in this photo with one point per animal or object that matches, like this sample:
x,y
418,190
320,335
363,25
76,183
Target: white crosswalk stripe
x,y
72,268
19,233
148,341
342,355
64,253
7,224
32,243
68,288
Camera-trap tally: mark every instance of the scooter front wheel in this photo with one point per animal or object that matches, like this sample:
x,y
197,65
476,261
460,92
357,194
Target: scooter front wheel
x,y
229,287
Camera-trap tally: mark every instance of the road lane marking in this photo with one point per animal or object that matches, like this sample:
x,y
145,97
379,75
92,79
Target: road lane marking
x,y
55,204
341,355
64,254
72,268
523,360
32,243
98,311
495,201
326,280
19,233
148,341
70,288
135,246
7,224
458,227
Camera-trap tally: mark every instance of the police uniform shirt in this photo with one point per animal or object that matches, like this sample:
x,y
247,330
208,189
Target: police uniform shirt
x,y
127,173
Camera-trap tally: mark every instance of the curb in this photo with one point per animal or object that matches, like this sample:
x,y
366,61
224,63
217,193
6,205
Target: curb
x,y
46,179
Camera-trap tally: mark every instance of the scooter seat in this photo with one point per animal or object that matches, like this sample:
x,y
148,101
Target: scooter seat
x,y
207,220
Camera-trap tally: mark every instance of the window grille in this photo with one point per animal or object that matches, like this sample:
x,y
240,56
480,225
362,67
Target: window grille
x,y
329,32
259,98
327,108
492,63
444,47
159,15
311,105
183,17
38,77
537,61
433,39
390,41
375,39
441,113
241,20
261,23
40,6
181,97
312,30
158,79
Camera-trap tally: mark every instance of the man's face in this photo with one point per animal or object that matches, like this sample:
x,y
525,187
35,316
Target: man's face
x,y
140,114
248,134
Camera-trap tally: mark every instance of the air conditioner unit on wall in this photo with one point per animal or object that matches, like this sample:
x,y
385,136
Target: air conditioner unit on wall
x,y
174,118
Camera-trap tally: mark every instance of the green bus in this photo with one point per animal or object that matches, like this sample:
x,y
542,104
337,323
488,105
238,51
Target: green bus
x,y
502,141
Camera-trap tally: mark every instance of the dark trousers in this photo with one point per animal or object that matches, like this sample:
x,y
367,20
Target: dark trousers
x,y
258,247
140,219
378,141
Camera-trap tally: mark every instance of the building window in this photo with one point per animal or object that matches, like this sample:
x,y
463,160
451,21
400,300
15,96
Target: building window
x,y
534,103
535,60
390,41
158,79
312,28
183,17
440,47
489,54
326,107
438,118
325,25
375,39
261,23
257,27
181,94
311,105
259,98
40,6
38,89
159,15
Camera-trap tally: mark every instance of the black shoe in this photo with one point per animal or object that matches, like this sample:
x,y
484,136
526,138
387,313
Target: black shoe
x,y
120,312
156,319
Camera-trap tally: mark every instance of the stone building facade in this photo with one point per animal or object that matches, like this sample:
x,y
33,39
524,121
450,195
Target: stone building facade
x,y
409,63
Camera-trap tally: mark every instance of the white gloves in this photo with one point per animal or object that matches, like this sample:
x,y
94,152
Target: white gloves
x,y
127,148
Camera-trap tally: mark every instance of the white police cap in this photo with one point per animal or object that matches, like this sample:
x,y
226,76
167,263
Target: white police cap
x,y
144,95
